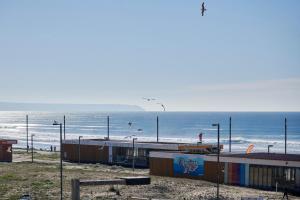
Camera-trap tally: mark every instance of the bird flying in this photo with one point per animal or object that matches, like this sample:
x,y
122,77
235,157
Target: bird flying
x,y
149,99
203,9
162,105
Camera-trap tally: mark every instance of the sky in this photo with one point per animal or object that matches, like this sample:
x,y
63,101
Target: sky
x,y
240,56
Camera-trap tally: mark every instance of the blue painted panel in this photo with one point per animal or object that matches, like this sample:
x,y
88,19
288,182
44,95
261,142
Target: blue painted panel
x,y
186,165
242,174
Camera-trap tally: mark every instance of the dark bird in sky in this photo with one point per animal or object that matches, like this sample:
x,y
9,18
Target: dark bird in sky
x,y
130,124
203,9
162,105
149,99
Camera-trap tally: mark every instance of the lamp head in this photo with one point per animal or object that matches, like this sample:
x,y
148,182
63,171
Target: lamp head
x,y
129,136
55,123
215,124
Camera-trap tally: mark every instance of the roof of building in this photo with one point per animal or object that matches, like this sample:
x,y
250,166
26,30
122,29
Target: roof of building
x,y
126,143
138,143
272,159
5,141
265,156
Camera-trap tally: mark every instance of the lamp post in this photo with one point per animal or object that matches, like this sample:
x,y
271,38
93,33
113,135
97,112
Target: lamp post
x,y
55,123
27,132
229,134
133,154
157,128
218,159
285,134
64,127
108,127
269,146
79,149
32,147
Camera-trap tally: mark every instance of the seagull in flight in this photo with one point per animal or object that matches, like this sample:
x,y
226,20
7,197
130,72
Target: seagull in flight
x,y
203,9
149,99
163,106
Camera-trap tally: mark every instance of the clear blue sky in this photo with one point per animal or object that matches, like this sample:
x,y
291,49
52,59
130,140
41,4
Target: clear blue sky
x,y
243,55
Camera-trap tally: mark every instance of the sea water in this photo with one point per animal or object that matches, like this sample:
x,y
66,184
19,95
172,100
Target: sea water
x,y
258,128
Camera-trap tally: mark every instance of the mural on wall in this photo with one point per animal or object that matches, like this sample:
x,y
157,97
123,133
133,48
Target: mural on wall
x,y
187,165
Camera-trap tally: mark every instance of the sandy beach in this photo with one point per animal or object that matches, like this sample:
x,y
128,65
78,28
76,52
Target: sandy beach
x,y
41,180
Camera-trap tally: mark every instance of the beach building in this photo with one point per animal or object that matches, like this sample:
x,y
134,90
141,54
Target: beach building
x,y
257,170
6,150
120,152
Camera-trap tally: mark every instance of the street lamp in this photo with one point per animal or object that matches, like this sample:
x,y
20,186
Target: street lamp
x,y
79,149
64,127
133,154
133,139
55,123
32,147
218,159
269,146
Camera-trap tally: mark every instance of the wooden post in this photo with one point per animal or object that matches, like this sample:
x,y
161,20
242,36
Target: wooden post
x,y
75,189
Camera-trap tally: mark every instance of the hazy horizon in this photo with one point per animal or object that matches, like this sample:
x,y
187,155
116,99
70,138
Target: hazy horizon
x,y
240,56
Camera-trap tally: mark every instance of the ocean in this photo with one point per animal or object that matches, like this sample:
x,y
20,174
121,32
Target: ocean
x,y
258,128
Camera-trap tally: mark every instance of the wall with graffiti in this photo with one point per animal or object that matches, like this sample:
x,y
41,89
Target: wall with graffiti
x,y
188,165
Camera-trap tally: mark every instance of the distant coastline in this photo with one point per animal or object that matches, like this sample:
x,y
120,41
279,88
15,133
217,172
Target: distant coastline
x,y
18,106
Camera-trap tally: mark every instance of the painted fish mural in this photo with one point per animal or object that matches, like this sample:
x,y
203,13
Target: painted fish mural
x,y
188,165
